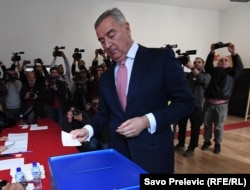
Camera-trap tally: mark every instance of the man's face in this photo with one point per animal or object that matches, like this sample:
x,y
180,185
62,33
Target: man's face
x,y
115,38
39,68
31,79
54,73
60,69
223,62
99,71
198,64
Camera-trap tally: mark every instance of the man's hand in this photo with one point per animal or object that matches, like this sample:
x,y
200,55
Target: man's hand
x,y
231,49
80,134
133,127
3,148
4,138
13,186
212,50
189,65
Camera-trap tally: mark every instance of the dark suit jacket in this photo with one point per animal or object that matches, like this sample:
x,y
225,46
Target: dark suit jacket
x,y
157,78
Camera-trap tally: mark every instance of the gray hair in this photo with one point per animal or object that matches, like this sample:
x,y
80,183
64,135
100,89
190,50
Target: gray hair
x,y
115,13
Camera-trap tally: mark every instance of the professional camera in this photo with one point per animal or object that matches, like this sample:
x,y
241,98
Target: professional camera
x,y
32,93
77,55
220,45
16,56
171,46
56,52
184,57
76,112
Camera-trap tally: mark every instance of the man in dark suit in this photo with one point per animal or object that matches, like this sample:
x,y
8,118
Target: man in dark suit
x,y
142,129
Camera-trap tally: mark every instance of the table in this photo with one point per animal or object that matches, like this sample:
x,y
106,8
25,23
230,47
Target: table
x,y
43,144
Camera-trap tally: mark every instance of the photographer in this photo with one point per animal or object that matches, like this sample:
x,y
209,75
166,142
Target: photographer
x,y
40,72
16,66
94,83
55,91
77,57
75,119
62,76
80,64
32,99
218,93
65,77
12,98
3,89
81,88
99,141
106,59
198,81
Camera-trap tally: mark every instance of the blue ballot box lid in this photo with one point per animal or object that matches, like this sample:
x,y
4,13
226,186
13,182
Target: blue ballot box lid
x,y
95,170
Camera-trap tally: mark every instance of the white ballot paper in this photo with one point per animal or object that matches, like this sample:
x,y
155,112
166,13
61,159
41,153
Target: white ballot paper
x,y
17,142
68,141
35,127
11,163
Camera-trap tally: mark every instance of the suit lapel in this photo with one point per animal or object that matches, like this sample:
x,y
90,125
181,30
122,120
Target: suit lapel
x,y
137,72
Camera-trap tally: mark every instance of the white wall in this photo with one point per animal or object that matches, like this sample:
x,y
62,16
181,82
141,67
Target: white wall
x,y
36,26
235,28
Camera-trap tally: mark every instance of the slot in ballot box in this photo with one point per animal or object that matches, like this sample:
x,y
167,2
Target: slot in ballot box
x,y
95,170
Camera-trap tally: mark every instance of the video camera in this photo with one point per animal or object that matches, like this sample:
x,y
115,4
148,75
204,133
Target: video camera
x,y
16,56
56,52
77,55
32,93
184,57
171,46
220,45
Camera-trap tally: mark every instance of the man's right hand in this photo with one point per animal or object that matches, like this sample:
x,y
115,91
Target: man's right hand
x,y
212,48
80,134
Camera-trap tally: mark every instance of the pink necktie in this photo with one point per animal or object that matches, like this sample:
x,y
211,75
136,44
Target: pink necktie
x,y
121,83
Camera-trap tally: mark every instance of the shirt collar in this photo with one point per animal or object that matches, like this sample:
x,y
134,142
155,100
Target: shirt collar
x,y
132,51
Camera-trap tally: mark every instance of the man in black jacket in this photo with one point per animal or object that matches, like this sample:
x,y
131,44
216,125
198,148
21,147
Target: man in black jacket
x,y
32,97
218,94
55,91
198,81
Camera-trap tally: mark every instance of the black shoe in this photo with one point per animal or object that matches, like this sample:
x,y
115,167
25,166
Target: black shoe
x,y
188,153
205,145
217,149
179,147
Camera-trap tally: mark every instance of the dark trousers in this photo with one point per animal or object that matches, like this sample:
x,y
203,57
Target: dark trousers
x,y
196,120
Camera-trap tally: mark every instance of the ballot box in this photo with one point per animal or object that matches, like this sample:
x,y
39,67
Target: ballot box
x,y
95,170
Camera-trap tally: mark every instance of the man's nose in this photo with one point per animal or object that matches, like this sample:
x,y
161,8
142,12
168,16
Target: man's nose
x,y
107,43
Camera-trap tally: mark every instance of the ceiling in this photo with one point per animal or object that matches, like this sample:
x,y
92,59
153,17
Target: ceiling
x,y
197,4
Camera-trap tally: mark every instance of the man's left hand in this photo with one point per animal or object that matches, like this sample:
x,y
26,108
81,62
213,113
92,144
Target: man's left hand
x,y
133,127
